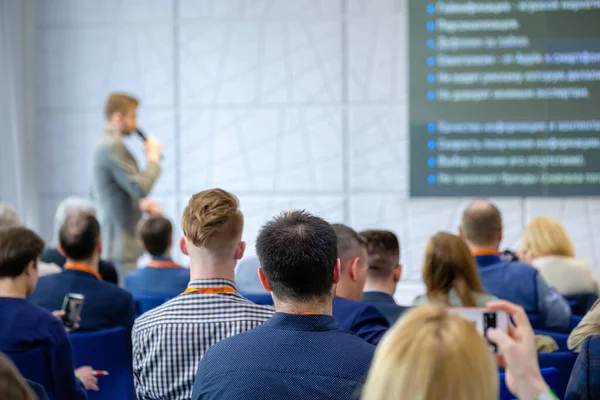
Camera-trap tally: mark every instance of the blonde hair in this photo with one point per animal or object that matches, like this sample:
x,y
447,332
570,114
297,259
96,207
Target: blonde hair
x,y
119,102
546,237
12,384
430,355
212,220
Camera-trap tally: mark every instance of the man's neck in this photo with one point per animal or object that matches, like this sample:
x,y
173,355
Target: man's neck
x,y
348,292
91,263
15,288
299,307
384,287
200,270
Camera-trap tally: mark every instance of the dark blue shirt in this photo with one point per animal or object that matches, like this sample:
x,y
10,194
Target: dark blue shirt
x,y
385,303
288,357
361,318
171,279
24,327
105,305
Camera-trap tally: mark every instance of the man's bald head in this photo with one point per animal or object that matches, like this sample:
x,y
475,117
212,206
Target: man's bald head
x,y
482,224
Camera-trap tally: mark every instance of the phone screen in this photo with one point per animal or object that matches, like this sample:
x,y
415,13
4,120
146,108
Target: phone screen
x,y
72,305
490,321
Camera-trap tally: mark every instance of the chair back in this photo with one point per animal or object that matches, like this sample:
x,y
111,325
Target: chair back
x,y
563,361
575,320
535,320
581,303
259,298
106,350
550,375
35,366
146,302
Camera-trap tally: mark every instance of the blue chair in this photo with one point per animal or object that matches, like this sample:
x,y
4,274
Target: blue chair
x,y
108,350
563,361
535,320
259,298
575,320
35,366
146,302
560,338
550,375
581,303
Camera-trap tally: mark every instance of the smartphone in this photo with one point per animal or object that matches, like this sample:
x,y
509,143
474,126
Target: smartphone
x,y
483,319
72,305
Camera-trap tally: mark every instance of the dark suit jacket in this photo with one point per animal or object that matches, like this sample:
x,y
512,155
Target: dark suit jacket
x,y
171,280
106,269
361,318
585,377
386,305
288,357
105,305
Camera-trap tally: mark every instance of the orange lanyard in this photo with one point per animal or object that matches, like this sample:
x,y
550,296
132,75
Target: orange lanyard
x,y
304,313
84,268
210,290
485,252
163,264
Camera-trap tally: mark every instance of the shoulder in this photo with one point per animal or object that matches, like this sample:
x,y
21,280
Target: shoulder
x,y
519,266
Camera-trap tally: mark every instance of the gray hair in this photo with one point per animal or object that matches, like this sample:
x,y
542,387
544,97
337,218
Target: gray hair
x,y
70,206
8,217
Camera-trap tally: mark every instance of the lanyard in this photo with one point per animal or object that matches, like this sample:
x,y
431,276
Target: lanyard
x,y
84,268
210,290
304,313
163,264
485,252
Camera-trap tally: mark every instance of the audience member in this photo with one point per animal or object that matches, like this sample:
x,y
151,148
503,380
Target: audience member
x,y
170,340
24,326
105,305
585,377
517,282
450,274
67,207
162,275
588,326
361,318
8,219
384,273
246,276
548,248
12,384
302,352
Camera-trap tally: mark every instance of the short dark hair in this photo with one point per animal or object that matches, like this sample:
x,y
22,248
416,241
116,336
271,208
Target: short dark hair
x,y
298,254
384,252
349,242
155,234
481,222
79,235
18,247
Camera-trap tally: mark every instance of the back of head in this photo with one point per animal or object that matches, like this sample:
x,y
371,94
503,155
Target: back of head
x,y
69,206
8,217
119,102
298,254
155,233
12,384
384,253
79,236
431,355
213,222
482,224
350,243
449,265
18,247
547,237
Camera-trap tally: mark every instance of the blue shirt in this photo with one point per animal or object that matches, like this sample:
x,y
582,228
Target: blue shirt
x,y
171,279
521,284
288,357
385,303
363,319
105,305
24,327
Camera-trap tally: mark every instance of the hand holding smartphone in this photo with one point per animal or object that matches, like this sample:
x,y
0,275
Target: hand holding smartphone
x,y
72,305
484,319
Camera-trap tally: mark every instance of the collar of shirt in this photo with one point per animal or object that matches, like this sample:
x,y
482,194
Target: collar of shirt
x,y
81,268
211,283
303,322
163,262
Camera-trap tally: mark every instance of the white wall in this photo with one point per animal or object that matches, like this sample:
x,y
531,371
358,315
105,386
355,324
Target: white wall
x,y
287,103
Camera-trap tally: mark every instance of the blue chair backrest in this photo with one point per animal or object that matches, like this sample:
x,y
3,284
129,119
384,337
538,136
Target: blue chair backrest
x,y
563,361
259,298
560,338
535,320
146,302
35,366
108,350
550,375
581,303
575,320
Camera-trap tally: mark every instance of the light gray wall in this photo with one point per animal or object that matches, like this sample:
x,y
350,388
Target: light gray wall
x,y
287,103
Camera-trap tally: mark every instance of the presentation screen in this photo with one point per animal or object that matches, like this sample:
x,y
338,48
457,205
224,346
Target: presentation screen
x,y
504,98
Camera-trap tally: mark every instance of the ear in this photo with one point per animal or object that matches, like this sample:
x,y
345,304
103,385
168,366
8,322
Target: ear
x,y
460,232
337,271
264,281
117,116
500,236
183,246
32,269
61,251
99,246
353,268
397,273
239,250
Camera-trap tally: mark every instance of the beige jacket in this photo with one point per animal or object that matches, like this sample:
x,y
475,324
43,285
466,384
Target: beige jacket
x,y
589,326
568,275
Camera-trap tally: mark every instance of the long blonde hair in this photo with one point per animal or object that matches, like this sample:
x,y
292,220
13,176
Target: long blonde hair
x,y
431,355
546,237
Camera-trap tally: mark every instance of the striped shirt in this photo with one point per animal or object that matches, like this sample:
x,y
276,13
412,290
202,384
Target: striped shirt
x,y
170,340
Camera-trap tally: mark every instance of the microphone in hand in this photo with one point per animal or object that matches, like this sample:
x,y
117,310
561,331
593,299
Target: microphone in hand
x,y
152,146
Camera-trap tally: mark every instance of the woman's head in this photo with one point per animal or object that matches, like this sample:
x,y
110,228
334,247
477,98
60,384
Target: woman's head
x,y
429,355
449,265
546,237
12,384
